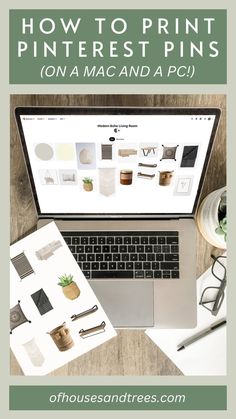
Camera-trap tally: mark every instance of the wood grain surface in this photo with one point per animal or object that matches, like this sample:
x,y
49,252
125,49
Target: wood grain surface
x,y
132,352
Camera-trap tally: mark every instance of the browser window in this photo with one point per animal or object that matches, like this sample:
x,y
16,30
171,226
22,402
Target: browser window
x,y
117,164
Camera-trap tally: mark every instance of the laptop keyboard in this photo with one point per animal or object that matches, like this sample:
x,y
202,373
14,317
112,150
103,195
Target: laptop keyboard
x,y
137,255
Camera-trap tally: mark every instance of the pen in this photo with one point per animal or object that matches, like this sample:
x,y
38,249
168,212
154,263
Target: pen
x,y
201,334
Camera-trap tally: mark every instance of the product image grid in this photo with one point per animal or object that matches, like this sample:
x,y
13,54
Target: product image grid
x,y
43,323
130,165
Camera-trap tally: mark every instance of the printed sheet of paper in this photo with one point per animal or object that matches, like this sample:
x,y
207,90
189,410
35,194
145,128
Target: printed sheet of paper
x,y
207,356
36,263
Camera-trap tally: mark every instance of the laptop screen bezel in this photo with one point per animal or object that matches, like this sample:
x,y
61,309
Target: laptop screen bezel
x,y
45,110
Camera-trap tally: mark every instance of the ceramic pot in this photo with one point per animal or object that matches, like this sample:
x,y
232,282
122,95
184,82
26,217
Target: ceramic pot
x,y
62,338
88,187
86,156
208,219
71,291
165,178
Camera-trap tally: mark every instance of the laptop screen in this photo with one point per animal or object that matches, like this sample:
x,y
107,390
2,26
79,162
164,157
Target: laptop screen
x,y
133,162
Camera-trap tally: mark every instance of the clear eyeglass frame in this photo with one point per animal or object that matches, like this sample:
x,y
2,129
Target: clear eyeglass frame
x,y
213,296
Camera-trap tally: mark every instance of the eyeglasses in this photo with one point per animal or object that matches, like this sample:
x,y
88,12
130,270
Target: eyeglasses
x,y
212,297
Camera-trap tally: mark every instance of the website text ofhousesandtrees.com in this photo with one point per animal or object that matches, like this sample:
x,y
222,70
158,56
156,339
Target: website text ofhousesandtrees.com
x,y
116,397
125,397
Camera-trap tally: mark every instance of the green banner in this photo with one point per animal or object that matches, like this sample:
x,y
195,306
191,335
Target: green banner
x,y
118,46
118,398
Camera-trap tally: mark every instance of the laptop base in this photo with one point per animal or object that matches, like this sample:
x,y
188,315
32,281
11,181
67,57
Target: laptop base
x,y
127,303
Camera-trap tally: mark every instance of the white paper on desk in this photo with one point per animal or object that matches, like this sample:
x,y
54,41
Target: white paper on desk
x,y
207,356
46,272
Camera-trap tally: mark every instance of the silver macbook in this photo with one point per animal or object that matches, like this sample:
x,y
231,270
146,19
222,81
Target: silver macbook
x,y
123,185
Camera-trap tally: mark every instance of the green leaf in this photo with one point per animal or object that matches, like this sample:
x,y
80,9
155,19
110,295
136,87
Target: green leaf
x,y
87,180
65,280
222,228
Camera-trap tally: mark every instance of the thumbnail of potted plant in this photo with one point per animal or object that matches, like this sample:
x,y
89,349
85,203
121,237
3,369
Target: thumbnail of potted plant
x,y
69,287
88,184
212,218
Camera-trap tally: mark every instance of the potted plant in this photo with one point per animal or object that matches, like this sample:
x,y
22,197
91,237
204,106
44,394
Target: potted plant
x,y
212,218
222,215
69,287
88,184
222,229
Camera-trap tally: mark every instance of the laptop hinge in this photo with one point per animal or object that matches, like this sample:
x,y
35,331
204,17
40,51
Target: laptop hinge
x,y
74,217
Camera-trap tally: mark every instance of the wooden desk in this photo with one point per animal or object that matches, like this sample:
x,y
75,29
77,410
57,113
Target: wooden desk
x,y
132,352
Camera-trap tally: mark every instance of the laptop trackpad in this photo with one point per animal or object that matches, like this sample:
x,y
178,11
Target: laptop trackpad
x,y
126,303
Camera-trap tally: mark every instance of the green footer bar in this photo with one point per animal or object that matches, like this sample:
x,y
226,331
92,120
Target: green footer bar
x,y
118,397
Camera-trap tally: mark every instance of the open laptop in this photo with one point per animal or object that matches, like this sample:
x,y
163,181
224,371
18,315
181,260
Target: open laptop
x,y
123,184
